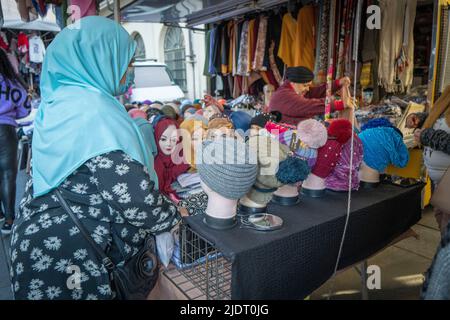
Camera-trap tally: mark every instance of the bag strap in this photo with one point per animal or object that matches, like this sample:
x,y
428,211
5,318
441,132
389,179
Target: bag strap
x,y
106,261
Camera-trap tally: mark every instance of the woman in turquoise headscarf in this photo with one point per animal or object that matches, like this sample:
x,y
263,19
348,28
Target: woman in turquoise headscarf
x,y
87,146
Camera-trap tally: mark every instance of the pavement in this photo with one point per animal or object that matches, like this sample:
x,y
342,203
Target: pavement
x,y
402,266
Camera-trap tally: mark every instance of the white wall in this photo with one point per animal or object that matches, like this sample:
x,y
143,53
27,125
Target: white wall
x,y
153,35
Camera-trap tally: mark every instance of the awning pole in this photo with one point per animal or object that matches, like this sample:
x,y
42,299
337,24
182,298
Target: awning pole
x,y
117,10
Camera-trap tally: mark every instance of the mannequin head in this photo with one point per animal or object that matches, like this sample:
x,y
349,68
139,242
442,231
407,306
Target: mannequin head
x,y
268,91
226,175
368,176
269,155
168,140
313,186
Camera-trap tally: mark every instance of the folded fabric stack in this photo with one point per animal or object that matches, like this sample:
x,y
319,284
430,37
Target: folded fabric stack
x,y
187,184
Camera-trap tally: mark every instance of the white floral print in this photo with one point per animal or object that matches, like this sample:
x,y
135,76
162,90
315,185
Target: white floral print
x,y
114,200
52,243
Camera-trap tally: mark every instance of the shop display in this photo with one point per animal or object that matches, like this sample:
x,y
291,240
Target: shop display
x,y
339,132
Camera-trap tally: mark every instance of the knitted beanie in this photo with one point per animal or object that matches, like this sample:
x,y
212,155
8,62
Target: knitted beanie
x,y
341,129
226,169
380,122
270,153
338,179
186,107
136,113
169,111
384,146
299,148
312,133
241,120
217,123
327,158
299,74
261,119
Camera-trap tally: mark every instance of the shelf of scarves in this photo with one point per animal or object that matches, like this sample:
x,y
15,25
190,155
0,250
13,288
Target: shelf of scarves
x,y
414,170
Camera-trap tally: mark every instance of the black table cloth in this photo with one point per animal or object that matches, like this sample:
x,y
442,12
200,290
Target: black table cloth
x,y
292,262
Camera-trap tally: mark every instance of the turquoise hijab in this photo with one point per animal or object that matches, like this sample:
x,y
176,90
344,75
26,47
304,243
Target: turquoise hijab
x,y
79,117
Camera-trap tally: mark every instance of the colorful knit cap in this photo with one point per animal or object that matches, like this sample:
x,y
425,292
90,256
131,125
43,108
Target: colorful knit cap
x,y
384,146
312,133
298,147
327,158
338,179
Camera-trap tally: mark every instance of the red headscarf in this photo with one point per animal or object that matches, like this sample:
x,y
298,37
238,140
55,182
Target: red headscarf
x,y
166,170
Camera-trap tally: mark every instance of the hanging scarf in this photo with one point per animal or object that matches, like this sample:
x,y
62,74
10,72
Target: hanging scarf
x,y
395,71
166,170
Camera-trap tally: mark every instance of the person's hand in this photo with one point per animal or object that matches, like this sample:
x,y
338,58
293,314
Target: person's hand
x,y
183,211
417,134
345,82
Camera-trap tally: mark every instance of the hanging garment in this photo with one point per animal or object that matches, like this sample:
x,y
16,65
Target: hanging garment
x,y
87,7
260,45
231,46
40,7
22,42
224,50
251,44
274,24
207,53
274,66
26,10
322,42
243,51
304,43
37,49
213,48
395,71
287,40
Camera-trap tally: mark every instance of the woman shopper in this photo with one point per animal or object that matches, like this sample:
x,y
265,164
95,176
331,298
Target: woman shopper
x,y
13,105
86,145
435,137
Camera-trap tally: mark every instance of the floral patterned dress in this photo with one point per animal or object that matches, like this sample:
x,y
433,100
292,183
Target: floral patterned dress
x,y
114,199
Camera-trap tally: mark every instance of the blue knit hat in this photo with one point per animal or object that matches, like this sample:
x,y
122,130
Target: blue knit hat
x,y
241,120
384,146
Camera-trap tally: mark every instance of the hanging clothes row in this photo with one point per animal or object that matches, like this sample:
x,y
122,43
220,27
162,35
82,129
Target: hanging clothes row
x,y
244,53
253,51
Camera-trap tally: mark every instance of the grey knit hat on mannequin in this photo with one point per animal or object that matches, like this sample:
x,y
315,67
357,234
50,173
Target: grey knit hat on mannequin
x,y
226,169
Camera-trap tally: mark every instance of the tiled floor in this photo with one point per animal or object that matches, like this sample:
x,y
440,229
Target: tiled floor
x,y
402,265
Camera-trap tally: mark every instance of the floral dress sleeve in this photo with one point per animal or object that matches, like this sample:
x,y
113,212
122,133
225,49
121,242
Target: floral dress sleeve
x,y
126,186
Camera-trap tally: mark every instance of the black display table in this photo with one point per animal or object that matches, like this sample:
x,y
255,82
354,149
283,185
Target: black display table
x,y
292,262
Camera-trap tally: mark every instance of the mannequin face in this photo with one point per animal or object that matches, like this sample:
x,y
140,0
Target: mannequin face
x,y
168,140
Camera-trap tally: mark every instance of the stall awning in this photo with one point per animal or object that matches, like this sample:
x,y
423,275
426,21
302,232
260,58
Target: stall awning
x,y
192,12
11,19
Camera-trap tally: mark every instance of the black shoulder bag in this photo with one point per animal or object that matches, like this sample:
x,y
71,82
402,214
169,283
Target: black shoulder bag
x,y
137,277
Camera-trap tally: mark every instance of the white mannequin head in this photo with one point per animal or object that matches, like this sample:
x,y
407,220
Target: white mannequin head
x,y
288,190
367,174
314,182
218,206
168,140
